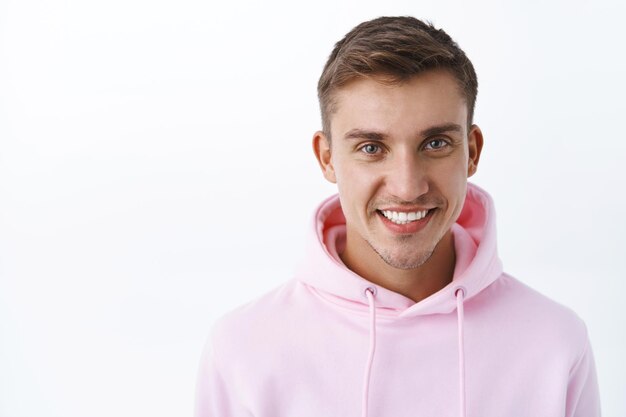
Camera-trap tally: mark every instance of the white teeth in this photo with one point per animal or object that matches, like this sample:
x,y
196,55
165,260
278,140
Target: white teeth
x,y
404,217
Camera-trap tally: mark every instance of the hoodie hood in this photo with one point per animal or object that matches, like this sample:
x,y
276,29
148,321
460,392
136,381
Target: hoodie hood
x,y
477,266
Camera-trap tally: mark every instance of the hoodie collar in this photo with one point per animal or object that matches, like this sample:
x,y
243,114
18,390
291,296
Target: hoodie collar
x,y
477,264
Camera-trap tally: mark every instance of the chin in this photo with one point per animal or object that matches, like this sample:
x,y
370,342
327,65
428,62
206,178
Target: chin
x,y
404,260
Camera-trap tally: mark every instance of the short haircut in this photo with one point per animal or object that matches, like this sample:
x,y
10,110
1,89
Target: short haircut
x,y
393,49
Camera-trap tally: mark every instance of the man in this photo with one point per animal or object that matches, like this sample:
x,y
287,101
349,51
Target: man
x,y
401,306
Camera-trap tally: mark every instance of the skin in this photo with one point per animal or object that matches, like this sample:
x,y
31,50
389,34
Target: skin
x,y
404,146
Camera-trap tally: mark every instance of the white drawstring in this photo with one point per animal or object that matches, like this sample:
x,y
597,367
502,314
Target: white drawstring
x,y
460,293
369,292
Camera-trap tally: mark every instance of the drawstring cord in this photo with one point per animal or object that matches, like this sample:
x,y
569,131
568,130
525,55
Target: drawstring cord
x,y
459,293
369,293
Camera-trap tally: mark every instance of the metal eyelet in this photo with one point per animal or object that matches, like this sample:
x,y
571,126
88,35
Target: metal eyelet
x,y
371,290
460,288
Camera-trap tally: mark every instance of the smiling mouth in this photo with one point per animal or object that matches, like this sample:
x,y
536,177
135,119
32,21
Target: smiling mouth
x,y
401,217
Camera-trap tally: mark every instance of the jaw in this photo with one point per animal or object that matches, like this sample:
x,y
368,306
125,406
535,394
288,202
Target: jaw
x,y
406,250
414,265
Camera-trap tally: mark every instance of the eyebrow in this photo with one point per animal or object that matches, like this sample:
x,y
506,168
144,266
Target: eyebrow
x,y
436,130
365,134
380,136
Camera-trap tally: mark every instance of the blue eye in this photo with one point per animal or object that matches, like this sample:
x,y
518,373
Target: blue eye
x,y
370,149
439,143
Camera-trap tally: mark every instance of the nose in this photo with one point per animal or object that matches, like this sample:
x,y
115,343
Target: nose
x,y
407,176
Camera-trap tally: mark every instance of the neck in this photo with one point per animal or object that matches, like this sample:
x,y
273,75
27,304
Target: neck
x,y
416,284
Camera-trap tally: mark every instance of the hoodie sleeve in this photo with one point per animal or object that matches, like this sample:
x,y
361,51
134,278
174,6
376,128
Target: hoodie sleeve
x,y
214,397
583,396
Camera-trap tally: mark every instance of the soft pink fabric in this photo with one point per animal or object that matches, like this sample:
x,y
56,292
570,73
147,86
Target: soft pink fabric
x,y
319,345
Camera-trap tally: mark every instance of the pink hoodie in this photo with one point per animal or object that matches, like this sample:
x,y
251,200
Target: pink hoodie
x,y
328,343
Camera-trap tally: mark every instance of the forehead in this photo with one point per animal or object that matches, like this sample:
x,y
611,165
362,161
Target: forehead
x,y
431,98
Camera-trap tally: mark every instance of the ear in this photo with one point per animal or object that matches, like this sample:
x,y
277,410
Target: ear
x,y
322,150
475,146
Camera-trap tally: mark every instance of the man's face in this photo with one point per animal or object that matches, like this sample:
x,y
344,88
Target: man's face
x,y
397,151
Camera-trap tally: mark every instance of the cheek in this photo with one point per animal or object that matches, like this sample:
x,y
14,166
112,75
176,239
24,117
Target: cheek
x,y
347,171
357,179
356,185
451,179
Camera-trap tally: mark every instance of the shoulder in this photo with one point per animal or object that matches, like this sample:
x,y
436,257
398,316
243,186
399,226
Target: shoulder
x,y
258,320
533,314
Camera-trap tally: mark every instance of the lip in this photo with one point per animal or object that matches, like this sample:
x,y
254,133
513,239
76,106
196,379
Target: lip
x,y
405,209
408,228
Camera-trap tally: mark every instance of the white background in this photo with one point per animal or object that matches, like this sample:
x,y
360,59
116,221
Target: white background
x,y
156,171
